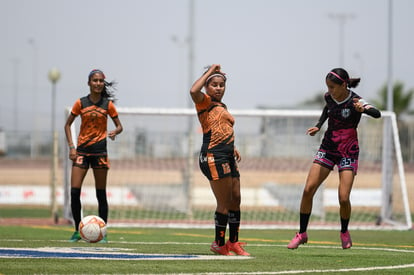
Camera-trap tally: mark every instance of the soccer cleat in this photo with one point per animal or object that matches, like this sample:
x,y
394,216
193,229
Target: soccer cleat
x,y
221,250
237,248
75,237
346,240
300,238
104,240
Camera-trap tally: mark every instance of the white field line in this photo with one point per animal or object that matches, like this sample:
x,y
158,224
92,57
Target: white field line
x,y
215,257
373,268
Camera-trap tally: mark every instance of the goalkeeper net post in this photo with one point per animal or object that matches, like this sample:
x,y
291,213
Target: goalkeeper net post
x,y
390,134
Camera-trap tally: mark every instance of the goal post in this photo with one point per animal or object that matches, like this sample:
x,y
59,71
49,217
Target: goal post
x,y
386,213
155,180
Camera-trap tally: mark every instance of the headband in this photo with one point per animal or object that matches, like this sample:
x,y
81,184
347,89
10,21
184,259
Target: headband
x,y
214,75
96,71
337,76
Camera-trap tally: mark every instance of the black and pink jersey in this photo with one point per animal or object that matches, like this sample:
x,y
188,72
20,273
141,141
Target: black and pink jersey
x,y
341,138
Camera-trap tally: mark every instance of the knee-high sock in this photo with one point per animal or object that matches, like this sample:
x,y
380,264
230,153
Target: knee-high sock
x,y
221,225
304,221
344,225
102,204
234,225
76,206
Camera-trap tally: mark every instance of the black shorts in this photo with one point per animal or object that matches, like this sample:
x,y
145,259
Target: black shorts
x,y
85,161
218,166
328,160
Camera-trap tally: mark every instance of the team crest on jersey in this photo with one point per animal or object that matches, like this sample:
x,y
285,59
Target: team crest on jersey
x,y
202,158
345,113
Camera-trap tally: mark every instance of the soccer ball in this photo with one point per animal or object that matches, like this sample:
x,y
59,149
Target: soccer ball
x,y
92,229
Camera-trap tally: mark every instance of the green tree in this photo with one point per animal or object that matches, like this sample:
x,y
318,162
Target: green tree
x,y
401,99
316,101
402,102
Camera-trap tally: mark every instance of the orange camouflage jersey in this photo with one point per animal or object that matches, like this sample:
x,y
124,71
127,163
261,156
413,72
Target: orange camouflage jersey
x,y
217,124
94,121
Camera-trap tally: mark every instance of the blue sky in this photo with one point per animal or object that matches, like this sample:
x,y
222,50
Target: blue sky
x,y
276,53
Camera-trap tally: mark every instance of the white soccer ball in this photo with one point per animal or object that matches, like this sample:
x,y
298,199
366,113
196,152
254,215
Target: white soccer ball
x,y
92,229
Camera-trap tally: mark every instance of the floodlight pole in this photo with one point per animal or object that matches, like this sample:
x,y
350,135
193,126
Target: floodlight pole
x,y
16,63
387,153
189,173
34,148
54,76
341,18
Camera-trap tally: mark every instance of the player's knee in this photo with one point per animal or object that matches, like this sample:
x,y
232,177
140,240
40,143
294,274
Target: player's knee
x,y
309,191
344,201
236,199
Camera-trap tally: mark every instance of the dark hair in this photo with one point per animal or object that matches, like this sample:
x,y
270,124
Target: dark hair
x,y
109,88
213,75
339,76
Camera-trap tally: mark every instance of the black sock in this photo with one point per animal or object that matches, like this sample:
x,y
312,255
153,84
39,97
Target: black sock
x,y
304,221
344,225
102,204
76,206
234,225
221,225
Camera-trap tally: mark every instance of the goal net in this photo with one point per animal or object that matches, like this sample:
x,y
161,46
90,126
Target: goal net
x,y
155,180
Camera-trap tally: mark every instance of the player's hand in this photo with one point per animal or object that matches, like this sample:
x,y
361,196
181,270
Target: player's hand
x,y
215,68
112,135
72,154
359,105
237,155
312,131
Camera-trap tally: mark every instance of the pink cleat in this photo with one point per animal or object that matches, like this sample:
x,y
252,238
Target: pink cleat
x,y
300,238
221,250
237,248
346,240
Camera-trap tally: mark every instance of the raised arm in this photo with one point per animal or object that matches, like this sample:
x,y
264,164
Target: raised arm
x,y
195,91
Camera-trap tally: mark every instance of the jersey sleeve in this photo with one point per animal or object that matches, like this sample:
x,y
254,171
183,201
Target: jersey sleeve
x,y
322,118
369,109
76,108
112,110
203,104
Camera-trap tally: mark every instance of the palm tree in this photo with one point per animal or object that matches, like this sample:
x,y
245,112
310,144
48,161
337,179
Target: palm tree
x,y
316,101
401,99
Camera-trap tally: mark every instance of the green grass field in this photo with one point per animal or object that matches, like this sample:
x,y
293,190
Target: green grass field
x,y
374,252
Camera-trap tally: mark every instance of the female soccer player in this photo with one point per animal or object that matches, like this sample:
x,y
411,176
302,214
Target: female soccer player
x,y
339,147
91,148
218,158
